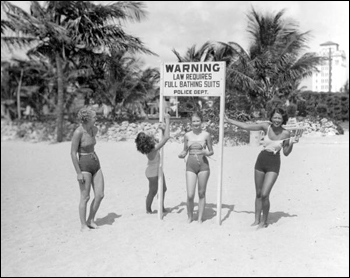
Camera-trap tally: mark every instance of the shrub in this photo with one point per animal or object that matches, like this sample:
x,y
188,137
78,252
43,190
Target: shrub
x,y
301,108
322,110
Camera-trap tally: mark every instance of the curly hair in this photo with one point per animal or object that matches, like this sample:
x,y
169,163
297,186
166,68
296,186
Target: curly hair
x,y
280,111
85,114
144,143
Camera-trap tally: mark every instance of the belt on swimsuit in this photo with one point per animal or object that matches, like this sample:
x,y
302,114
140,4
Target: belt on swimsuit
x,y
93,155
196,156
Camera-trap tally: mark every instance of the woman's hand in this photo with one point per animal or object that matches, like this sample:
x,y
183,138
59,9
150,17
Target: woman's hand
x,y
226,119
80,178
183,154
295,139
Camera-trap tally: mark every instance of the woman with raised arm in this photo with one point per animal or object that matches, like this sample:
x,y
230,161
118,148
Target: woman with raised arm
x,y
146,144
268,163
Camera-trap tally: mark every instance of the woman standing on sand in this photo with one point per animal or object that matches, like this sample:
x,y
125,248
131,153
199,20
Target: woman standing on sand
x,y
88,168
197,165
268,163
148,145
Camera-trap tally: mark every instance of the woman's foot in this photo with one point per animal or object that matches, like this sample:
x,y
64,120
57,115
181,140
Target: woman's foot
x,y
189,220
255,223
149,211
84,228
262,225
92,225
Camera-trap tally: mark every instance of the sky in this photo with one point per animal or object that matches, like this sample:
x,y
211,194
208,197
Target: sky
x,y
181,24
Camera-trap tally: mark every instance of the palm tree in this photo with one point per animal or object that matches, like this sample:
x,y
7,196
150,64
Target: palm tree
x,y
193,55
31,77
274,60
63,29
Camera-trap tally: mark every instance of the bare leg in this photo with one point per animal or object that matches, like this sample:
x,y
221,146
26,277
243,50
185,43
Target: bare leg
x,y
202,187
84,198
269,181
259,181
191,180
164,190
98,186
153,190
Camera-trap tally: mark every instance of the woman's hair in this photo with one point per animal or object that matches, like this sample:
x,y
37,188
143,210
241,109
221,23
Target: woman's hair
x,y
281,112
197,114
85,114
144,143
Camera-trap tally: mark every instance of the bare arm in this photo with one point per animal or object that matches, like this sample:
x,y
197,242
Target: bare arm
x,y
288,144
166,134
74,151
185,150
250,127
210,151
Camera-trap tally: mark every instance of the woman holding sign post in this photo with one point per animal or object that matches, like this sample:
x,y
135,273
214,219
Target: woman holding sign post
x,y
268,164
197,165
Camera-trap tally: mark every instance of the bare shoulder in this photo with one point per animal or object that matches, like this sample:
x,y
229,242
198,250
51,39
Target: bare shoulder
x,y
265,125
77,135
207,134
187,135
78,131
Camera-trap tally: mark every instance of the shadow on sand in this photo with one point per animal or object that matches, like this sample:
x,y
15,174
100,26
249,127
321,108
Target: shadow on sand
x,y
274,217
209,211
109,219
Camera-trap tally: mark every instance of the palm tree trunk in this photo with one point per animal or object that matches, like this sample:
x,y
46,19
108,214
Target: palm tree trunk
x,y
60,91
19,96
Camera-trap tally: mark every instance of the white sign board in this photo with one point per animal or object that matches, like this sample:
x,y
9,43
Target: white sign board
x,y
193,79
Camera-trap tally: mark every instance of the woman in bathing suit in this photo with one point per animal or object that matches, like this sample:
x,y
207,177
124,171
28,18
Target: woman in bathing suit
x,y
146,144
87,166
197,165
268,163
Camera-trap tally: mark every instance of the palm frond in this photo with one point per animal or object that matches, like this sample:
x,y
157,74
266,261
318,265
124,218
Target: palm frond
x,y
14,42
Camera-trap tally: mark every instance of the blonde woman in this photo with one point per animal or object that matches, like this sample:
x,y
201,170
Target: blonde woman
x,y
87,166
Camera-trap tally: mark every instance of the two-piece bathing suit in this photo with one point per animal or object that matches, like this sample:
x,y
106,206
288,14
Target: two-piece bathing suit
x,y
269,159
88,160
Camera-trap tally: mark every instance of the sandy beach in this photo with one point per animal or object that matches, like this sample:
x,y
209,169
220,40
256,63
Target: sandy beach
x,y
308,233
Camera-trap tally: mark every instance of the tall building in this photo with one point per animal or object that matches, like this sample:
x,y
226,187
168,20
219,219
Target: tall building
x,y
332,73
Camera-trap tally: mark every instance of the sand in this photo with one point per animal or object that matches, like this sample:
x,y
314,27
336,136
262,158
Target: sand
x,y
308,233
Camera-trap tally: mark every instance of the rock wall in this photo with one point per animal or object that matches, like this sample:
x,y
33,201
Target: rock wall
x,y
115,132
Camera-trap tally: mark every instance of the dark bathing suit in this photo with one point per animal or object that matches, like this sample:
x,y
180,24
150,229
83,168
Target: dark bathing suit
x,y
269,159
88,160
197,163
